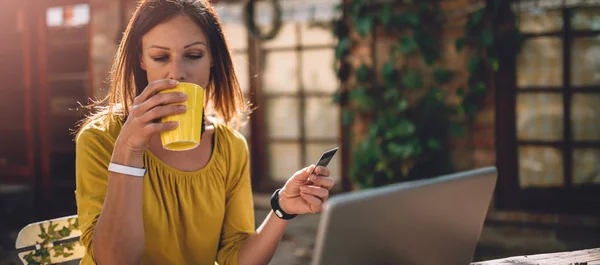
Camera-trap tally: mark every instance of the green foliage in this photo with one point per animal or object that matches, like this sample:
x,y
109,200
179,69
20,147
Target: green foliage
x,y
407,115
42,255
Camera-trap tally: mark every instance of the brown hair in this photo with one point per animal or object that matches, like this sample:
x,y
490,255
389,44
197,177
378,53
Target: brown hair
x,y
128,79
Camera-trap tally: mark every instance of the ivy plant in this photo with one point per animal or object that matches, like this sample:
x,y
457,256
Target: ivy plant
x,y
405,103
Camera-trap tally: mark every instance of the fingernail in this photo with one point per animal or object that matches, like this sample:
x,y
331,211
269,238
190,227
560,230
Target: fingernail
x,y
182,107
174,82
302,188
183,95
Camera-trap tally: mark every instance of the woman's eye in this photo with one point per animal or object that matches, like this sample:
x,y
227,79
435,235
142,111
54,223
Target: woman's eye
x,y
160,58
195,56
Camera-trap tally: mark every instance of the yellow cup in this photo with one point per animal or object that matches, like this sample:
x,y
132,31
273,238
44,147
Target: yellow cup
x,y
187,135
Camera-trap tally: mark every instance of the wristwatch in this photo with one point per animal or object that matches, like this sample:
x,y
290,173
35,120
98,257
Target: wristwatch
x,y
277,209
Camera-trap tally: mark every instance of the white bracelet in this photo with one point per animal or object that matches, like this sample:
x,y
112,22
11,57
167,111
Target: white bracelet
x,y
132,171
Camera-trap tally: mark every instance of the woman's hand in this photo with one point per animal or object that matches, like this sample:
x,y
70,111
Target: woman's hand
x,y
148,108
306,194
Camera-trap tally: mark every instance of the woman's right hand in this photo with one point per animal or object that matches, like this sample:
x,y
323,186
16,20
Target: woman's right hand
x,y
147,109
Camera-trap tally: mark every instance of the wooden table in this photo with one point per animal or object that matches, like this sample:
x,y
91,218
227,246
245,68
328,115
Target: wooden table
x,y
580,257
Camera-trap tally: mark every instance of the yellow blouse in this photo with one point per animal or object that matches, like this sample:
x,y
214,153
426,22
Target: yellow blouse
x,y
199,217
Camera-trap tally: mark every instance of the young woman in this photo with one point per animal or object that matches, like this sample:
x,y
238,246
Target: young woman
x,y
141,204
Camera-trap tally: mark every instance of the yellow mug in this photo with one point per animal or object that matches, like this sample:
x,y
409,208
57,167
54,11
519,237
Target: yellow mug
x,y
187,135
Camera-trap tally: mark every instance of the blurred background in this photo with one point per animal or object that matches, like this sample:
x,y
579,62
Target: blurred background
x,y
315,84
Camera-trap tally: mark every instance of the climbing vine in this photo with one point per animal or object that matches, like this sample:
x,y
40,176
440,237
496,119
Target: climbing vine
x,y
406,106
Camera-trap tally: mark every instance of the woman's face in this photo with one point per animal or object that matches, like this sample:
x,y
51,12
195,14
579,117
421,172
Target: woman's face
x,y
177,49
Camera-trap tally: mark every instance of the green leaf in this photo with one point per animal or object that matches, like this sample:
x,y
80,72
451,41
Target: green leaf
x,y
460,92
460,43
336,97
386,14
413,19
64,232
390,93
404,150
388,71
406,19
457,130
404,128
363,25
407,45
434,144
442,75
381,166
460,110
494,63
412,80
471,110
403,105
486,38
473,64
338,7
476,18
347,117
479,88
342,47
362,74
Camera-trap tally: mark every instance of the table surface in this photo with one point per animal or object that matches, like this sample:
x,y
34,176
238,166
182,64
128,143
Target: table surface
x,y
579,257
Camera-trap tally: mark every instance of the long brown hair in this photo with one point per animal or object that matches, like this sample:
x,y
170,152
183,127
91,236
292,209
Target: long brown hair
x,y
128,79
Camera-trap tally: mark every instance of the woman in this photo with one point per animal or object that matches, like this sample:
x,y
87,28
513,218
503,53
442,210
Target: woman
x,y
189,207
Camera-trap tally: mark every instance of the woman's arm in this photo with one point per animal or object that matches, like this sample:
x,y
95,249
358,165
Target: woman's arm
x,y
112,211
119,233
299,196
260,247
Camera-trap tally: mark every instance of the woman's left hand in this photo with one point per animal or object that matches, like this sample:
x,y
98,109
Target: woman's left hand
x,y
306,194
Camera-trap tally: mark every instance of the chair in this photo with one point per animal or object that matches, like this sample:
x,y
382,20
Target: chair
x,y
50,242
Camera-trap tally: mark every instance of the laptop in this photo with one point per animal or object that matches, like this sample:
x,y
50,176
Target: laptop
x,y
425,222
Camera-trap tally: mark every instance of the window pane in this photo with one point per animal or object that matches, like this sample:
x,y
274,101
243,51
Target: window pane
x,y
315,35
540,20
286,38
240,62
586,19
585,116
540,63
68,16
318,74
322,118
586,166
280,74
284,160
540,167
236,35
314,152
585,62
283,119
539,116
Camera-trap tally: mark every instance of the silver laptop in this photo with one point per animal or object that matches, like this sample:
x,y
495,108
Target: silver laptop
x,y
425,222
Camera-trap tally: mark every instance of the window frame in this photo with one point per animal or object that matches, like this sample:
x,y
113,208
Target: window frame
x,y
259,138
567,199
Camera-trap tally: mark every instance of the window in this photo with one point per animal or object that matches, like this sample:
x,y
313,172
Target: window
x,y
552,161
290,80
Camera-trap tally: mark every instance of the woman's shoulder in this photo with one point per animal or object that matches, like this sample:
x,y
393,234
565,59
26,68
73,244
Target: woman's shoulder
x,y
100,127
231,136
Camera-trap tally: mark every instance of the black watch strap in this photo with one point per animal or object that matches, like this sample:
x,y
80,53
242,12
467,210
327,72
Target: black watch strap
x,y
277,209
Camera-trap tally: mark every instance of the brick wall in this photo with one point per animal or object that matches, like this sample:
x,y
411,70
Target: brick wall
x,y
506,233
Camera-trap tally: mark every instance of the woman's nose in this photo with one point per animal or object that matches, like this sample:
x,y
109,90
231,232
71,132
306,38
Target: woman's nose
x,y
177,71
